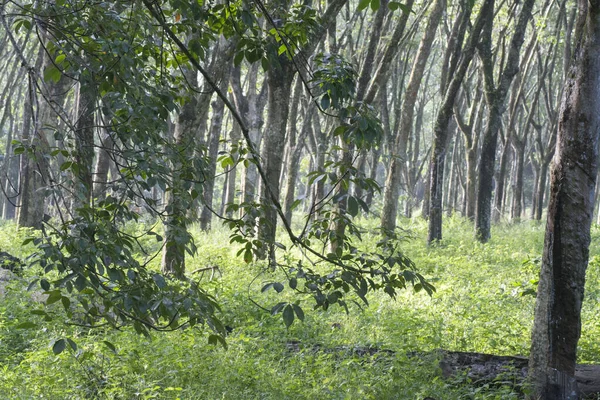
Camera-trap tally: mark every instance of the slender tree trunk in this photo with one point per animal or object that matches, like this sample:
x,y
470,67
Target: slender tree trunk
x,y
176,236
500,181
557,325
399,147
218,109
441,129
541,191
10,176
280,83
30,209
495,97
236,135
84,143
103,165
516,208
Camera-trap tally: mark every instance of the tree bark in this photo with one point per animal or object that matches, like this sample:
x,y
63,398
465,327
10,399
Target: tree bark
x,y
557,325
399,155
442,123
214,136
495,97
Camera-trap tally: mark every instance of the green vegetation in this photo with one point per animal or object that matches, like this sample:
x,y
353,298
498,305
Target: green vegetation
x,y
483,303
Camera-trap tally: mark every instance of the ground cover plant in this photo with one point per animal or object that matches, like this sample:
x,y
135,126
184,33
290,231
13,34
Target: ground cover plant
x,y
387,350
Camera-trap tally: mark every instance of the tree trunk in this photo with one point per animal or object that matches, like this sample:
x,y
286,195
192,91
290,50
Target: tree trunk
x,y
279,80
10,175
84,143
236,135
495,97
399,154
500,181
218,108
557,325
176,235
516,208
441,129
103,165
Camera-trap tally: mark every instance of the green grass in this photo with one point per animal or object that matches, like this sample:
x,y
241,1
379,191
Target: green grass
x,y
479,306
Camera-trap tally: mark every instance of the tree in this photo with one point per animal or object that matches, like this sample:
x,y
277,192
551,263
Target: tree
x,y
399,147
495,96
442,122
557,324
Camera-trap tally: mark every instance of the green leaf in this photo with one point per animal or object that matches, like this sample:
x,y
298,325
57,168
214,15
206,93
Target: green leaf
x,y
110,346
352,206
159,280
288,315
266,287
237,60
299,312
405,9
59,346
278,287
45,285
265,64
340,130
72,344
248,256
375,5
293,283
60,58
277,307
217,339
53,297
52,74
325,102
66,302
362,4
26,325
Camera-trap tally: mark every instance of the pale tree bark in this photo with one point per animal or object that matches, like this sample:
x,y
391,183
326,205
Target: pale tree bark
x,y
381,74
470,131
295,145
348,149
214,134
188,140
34,168
251,107
230,187
279,80
557,325
103,161
84,143
176,235
399,155
495,98
442,123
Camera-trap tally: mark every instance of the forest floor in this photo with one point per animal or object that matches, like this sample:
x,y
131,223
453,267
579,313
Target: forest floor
x,y
483,305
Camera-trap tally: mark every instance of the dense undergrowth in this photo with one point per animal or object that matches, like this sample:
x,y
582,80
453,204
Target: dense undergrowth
x,y
483,303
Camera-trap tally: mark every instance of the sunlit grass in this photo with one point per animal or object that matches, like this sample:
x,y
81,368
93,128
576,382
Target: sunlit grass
x,y
481,304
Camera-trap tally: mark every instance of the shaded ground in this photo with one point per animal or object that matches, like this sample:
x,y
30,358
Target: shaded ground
x,y
478,368
487,368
